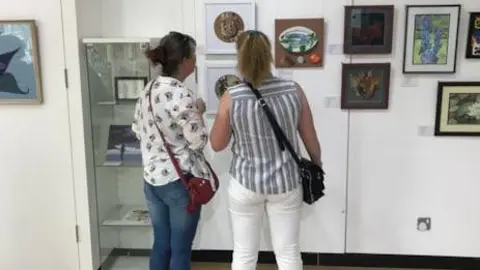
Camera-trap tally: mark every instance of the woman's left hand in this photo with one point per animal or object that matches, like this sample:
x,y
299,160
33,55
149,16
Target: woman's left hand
x,y
201,105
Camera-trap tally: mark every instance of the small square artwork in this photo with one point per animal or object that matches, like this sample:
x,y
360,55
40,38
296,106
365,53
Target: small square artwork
x,y
299,43
431,39
365,86
128,88
219,76
458,109
224,22
473,37
123,147
368,29
20,80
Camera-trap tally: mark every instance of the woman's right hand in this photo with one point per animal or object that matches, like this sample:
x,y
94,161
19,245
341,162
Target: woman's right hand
x,y
201,105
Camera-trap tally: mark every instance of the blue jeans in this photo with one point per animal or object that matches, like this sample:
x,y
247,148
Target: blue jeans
x,y
173,226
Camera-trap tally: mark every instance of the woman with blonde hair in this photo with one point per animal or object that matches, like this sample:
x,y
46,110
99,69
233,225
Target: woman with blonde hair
x,y
265,179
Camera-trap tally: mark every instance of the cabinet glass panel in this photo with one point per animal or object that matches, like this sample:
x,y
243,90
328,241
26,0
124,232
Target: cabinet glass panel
x,y
116,73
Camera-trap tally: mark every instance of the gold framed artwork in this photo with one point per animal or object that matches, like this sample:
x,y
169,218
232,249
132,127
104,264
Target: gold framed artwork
x,y
20,79
458,109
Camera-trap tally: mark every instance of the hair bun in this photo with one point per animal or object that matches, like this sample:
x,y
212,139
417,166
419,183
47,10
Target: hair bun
x,y
156,55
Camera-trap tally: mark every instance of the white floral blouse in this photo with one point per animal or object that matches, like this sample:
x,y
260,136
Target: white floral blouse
x,y
177,115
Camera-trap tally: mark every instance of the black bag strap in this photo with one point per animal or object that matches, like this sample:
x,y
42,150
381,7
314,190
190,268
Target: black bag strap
x,y
281,138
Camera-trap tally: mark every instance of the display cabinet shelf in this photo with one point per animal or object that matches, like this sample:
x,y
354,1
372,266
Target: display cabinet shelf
x,y
127,216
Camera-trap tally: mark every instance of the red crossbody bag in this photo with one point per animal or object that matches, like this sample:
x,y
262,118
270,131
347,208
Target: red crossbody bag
x,y
200,190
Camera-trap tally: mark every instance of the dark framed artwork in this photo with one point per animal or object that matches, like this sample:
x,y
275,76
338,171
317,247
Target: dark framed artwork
x,y
365,86
473,37
299,43
128,88
431,38
368,29
458,109
123,147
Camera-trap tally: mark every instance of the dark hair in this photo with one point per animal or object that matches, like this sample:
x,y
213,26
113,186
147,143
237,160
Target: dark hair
x,y
171,51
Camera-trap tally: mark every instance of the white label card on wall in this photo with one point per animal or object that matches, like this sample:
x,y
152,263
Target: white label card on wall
x,y
409,82
426,131
285,74
332,102
335,49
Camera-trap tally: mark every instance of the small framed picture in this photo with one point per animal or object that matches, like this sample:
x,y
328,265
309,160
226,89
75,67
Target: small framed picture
x,y
20,75
431,39
299,43
219,76
365,86
368,29
225,20
128,88
458,109
473,37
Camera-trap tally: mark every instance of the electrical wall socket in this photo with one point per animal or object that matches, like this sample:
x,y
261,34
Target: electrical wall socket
x,y
424,224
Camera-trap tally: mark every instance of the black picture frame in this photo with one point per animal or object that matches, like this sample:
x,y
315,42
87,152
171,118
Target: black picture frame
x,y
440,108
383,104
473,29
406,44
348,46
119,79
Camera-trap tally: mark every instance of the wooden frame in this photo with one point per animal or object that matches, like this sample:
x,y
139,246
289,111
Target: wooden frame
x,y
447,113
304,55
210,36
473,37
428,58
382,99
25,68
386,48
118,96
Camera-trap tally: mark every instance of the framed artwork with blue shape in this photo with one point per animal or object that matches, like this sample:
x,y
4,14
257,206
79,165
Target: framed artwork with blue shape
x,y
431,38
20,80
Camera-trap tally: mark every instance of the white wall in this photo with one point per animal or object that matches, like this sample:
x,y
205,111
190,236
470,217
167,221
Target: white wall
x,y
37,227
397,175
393,174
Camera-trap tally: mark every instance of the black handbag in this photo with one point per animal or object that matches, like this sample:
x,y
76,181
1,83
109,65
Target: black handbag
x,y
312,175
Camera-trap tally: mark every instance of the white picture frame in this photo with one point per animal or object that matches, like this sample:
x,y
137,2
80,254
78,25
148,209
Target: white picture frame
x,y
212,9
213,70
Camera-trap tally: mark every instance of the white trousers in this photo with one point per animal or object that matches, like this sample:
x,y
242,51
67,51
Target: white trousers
x,y
247,209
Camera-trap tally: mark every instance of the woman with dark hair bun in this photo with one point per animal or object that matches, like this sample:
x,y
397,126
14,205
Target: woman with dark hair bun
x,y
179,116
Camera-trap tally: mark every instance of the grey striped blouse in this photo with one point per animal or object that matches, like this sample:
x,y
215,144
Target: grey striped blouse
x,y
258,163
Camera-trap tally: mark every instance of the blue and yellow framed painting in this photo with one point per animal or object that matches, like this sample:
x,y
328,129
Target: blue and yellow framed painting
x,y
20,79
431,38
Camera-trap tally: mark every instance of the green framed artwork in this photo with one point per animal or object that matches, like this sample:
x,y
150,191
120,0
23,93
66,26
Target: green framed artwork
x,y
458,109
431,37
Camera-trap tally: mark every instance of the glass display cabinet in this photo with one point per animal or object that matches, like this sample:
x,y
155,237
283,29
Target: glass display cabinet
x,y
117,70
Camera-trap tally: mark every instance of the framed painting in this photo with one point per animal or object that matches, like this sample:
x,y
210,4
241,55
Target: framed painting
x,y
219,76
365,86
431,34
368,29
128,88
458,109
225,20
473,37
299,43
20,79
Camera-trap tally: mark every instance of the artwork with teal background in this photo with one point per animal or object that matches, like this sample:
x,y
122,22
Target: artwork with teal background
x,y
19,74
430,45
